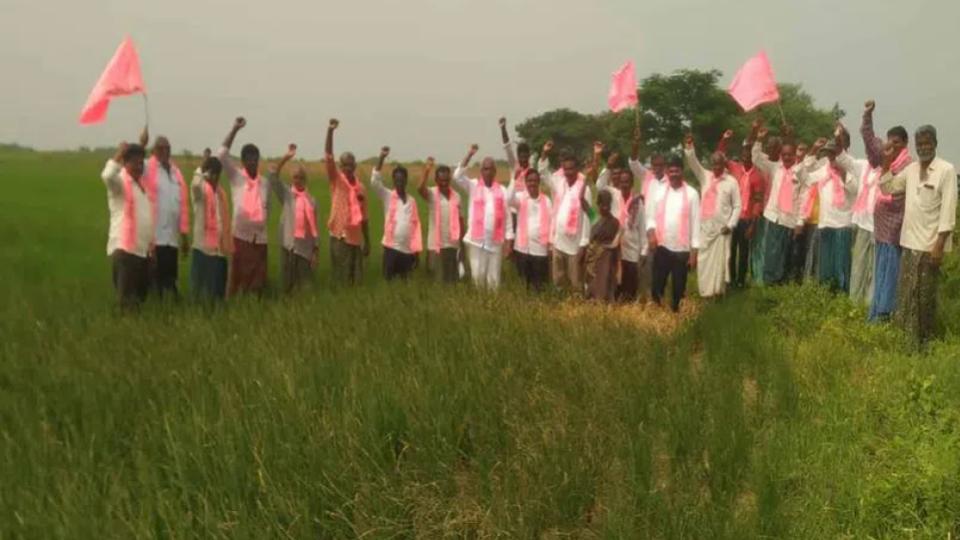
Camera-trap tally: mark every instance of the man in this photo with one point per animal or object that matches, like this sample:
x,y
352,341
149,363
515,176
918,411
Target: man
x,y
628,208
650,178
750,184
131,233
488,231
402,237
835,190
534,219
887,217
758,243
171,214
930,215
571,224
349,235
673,234
864,245
446,225
251,198
212,238
720,205
299,236
519,164
781,214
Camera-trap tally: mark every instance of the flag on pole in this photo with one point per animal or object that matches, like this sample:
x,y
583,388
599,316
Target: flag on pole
x,y
120,78
754,84
623,88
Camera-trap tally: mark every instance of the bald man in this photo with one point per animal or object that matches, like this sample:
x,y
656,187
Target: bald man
x,y
488,228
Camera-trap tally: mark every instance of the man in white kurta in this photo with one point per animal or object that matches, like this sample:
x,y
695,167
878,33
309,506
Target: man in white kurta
x,y
487,231
720,207
673,232
568,190
836,189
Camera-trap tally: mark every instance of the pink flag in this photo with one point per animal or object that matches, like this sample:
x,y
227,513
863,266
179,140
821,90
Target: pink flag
x,y
754,84
120,78
623,88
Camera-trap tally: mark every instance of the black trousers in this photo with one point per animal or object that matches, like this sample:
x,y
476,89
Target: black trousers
x,y
131,278
534,270
740,253
164,268
670,264
397,264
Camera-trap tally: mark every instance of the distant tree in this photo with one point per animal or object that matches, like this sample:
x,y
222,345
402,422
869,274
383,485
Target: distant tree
x,y
672,105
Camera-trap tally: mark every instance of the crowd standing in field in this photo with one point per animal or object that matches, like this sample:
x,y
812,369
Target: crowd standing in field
x,y
874,228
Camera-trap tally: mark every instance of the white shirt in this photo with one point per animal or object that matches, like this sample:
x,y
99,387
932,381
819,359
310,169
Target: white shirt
x,y
403,227
640,173
670,238
931,205
774,170
831,217
562,198
304,247
115,203
200,216
633,238
168,209
433,199
728,206
533,247
467,185
243,228
857,167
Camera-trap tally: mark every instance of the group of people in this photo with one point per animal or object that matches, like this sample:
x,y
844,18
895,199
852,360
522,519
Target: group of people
x,y
613,230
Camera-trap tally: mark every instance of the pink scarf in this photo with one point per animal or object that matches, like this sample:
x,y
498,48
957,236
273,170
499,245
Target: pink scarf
x,y
572,223
901,162
785,196
867,198
150,183
303,214
649,180
211,229
684,216
353,202
709,206
479,203
522,225
415,242
839,196
454,204
128,220
520,179
625,209
252,199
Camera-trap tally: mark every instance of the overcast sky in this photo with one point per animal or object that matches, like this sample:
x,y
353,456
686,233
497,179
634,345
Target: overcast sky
x,y
432,76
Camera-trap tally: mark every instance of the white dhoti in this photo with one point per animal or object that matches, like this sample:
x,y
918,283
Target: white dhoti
x,y
485,267
713,264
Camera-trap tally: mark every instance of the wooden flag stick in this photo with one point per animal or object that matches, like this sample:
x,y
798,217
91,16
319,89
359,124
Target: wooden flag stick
x,y
783,117
146,110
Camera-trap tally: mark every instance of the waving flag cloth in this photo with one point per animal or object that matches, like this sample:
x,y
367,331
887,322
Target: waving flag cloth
x,y
754,84
623,88
120,78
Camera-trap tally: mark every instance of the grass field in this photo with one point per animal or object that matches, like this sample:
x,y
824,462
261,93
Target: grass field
x,y
417,411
